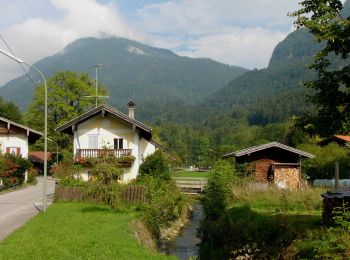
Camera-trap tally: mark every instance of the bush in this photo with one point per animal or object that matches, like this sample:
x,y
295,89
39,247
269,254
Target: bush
x,y
64,169
14,168
322,167
105,170
155,165
218,192
32,174
325,243
165,204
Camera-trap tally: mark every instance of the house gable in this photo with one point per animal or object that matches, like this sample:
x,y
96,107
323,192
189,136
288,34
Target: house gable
x,y
104,111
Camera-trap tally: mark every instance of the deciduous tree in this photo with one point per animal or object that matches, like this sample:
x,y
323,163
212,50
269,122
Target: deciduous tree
x,y
67,99
329,22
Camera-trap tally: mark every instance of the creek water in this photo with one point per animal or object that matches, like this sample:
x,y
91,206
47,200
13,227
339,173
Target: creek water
x,y
186,244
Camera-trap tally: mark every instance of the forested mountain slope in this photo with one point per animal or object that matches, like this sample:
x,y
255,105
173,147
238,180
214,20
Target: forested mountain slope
x,y
275,93
133,71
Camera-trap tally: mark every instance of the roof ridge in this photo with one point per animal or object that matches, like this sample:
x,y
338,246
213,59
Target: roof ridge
x,y
257,148
21,126
111,110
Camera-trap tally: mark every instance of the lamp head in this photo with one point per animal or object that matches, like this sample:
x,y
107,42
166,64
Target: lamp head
x,y
11,56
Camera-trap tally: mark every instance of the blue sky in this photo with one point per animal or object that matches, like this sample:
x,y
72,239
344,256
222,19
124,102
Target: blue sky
x,y
236,32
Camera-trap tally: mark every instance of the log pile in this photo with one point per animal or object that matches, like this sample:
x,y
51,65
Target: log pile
x,y
289,176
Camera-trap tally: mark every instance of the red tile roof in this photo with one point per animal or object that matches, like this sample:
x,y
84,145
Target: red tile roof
x,y
345,138
38,156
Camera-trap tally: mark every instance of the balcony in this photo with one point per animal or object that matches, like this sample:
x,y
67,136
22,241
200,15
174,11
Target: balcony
x,y
91,153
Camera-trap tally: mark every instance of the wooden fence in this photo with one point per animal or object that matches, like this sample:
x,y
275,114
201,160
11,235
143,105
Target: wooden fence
x,y
133,194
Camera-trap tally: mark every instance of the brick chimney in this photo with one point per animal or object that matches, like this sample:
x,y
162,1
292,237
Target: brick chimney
x,y
131,107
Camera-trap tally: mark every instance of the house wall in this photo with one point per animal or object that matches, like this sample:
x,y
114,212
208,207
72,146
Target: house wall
x,y
107,128
14,140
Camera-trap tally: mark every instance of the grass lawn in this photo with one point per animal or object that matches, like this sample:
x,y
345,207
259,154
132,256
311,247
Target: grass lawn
x,y
191,174
77,230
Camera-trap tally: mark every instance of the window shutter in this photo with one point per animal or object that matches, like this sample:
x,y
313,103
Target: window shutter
x,y
8,150
18,152
121,143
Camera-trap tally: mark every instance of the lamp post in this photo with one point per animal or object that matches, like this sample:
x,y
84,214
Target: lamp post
x,y
45,130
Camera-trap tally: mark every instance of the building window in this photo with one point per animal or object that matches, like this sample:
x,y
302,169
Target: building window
x,y
13,150
93,141
118,143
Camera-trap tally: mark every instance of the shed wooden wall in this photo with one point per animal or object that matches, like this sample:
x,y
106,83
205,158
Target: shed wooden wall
x,y
261,161
262,169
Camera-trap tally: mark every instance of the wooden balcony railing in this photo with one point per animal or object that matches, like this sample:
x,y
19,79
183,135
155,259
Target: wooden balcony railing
x,y
90,153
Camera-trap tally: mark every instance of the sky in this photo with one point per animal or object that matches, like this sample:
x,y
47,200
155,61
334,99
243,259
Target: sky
x,y
235,32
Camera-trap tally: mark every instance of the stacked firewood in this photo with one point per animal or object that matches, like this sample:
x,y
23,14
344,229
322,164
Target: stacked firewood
x,y
287,175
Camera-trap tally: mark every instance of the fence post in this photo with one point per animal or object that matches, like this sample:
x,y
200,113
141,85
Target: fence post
x,y
336,176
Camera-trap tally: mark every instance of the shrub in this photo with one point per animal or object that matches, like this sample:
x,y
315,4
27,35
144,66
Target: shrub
x,y
64,169
32,174
324,243
155,165
218,192
13,172
322,167
165,204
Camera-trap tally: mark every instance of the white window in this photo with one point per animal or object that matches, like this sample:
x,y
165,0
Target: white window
x,y
93,141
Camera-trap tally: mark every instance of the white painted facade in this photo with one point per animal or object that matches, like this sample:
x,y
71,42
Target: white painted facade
x,y
13,141
103,130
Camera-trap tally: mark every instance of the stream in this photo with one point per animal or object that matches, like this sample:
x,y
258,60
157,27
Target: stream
x,y
186,244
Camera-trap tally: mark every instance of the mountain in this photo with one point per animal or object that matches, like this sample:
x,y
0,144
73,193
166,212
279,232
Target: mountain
x,y
275,93
133,71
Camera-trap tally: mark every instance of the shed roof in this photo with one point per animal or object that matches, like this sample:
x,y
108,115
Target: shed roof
x,y
67,127
10,127
258,148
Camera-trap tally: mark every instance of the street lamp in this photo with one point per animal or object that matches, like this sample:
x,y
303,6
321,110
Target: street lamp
x,y
45,130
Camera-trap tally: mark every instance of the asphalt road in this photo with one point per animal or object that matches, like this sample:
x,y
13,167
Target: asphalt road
x,y
17,207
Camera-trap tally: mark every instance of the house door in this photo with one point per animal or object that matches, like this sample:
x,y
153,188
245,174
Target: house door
x,y
118,143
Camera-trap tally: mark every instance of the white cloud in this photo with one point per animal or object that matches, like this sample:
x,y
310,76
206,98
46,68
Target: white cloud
x,y
36,38
239,32
250,48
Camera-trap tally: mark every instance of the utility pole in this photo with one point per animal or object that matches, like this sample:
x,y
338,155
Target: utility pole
x,y
96,67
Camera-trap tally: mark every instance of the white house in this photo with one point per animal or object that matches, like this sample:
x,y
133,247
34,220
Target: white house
x,y
107,130
15,138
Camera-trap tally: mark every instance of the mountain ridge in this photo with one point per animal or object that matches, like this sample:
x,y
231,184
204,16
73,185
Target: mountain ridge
x,y
133,71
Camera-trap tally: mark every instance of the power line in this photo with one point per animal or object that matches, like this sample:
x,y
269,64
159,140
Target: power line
x,y
20,64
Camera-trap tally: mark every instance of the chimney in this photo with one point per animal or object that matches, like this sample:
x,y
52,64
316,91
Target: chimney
x,y
131,107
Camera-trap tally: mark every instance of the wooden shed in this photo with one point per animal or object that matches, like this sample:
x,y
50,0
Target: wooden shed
x,y
273,162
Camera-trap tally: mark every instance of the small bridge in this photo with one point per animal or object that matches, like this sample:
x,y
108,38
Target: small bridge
x,y
191,185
